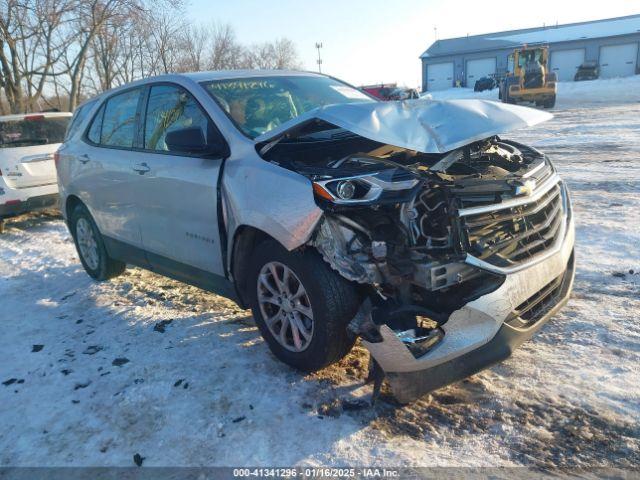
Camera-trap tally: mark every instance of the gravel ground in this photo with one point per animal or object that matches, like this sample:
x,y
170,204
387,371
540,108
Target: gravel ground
x,y
95,373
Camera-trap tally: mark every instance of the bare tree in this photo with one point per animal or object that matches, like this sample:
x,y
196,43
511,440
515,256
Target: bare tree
x,y
93,16
285,55
47,46
194,46
55,51
13,33
226,52
280,55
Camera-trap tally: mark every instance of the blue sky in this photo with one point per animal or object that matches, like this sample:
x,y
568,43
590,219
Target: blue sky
x,y
380,40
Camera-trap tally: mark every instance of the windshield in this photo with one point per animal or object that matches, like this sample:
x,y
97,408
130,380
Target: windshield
x,y
257,105
35,131
529,57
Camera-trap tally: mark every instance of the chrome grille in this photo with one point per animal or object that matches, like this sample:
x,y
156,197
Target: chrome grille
x,y
506,235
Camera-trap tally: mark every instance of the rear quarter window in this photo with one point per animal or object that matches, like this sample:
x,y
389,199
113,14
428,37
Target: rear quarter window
x,y
36,131
78,119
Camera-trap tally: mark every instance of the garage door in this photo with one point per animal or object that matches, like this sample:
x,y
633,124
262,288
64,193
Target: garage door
x,y
439,76
476,69
566,62
618,60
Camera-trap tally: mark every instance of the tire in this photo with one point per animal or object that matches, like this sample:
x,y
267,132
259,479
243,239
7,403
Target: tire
x,y
550,103
331,300
506,98
102,266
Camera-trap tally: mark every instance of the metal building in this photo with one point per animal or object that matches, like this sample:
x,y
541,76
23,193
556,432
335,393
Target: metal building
x,y
612,43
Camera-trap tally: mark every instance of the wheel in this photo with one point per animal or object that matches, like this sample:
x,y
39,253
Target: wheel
x,y
301,306
506,97
550,102
90,246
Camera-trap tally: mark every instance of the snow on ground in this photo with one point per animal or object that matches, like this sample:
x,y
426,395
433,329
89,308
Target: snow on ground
x,y
93,373
570,94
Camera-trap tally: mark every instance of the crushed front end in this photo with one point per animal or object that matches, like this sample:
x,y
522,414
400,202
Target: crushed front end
x,y
460,256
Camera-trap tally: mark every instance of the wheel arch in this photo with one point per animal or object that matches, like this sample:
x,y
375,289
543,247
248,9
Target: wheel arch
x,y
245,239
71,202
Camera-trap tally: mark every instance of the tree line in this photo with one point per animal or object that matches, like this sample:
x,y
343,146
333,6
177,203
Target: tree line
x,y
55,53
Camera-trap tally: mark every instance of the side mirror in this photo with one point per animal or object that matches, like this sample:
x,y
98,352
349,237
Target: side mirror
x,y
186,140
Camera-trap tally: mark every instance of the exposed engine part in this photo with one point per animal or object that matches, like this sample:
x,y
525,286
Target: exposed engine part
x,y
427,219
436,276
344,251
410,248
379,250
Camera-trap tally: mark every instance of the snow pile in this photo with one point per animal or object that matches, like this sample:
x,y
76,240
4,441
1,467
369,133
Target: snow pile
x,y
609,91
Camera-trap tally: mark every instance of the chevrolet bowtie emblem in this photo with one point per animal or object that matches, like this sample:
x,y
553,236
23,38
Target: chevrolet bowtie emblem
x,y
526,188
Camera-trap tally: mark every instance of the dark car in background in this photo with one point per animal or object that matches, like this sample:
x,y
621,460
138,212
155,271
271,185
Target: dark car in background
x,y
587,71
485,83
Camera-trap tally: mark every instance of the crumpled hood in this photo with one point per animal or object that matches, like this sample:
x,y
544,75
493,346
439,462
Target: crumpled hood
x,y
427,126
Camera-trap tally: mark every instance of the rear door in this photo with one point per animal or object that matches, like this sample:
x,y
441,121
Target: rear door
x,y
27,147
176,188
101,166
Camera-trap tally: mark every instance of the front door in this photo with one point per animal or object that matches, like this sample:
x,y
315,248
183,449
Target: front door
x,y
177,184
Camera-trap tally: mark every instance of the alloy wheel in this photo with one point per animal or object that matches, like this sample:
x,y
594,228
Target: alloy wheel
x,y
87,243
285,307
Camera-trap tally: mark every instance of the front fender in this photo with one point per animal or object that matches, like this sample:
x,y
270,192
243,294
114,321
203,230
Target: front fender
x,y
270,198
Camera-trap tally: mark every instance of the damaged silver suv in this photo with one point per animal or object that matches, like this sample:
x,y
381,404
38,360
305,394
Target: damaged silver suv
x,y
411,225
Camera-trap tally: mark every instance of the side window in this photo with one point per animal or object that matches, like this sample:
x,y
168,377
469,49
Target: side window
x,y
119,120
96,126
175,122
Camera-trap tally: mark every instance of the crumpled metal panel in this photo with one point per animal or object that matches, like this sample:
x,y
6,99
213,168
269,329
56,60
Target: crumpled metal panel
x,y
477,322
428,126
331,241
270,198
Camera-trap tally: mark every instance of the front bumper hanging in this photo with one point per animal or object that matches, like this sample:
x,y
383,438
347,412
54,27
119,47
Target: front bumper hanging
x,y
484,331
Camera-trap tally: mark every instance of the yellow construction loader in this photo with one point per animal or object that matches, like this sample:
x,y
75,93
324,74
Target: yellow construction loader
x,y
528,78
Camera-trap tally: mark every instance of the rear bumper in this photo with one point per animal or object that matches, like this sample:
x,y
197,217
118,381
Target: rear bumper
x,y
484,331
18,207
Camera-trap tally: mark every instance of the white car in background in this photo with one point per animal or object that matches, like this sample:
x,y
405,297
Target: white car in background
x,y
27,170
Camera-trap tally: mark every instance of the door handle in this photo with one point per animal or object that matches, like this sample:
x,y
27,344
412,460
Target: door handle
x,y
141,168
84,158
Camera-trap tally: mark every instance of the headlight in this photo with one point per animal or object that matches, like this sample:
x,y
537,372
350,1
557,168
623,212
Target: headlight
x,y
363,188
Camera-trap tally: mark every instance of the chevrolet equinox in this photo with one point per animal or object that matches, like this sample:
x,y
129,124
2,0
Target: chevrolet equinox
x,y
409,224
